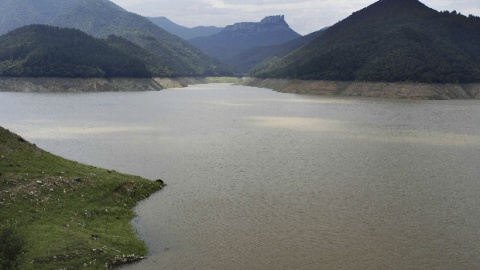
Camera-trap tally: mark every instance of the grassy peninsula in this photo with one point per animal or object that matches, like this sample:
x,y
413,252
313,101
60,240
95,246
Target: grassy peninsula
x,y
60,214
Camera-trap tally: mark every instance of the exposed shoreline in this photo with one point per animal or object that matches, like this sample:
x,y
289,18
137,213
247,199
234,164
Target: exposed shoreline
x,y
398,90
44,84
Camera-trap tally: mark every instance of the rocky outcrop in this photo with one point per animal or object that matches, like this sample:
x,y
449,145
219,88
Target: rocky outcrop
x,y
274,19
10,84
122,260
268,24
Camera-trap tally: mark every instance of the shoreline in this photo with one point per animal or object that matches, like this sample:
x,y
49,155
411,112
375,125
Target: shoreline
x,y
66,214
397,90
71,85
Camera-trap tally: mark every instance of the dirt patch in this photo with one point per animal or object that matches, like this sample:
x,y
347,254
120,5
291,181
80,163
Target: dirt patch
x,y
41,187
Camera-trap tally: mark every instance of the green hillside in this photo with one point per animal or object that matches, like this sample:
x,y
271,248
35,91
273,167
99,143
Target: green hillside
x,y
156,67
18,13
391,40
260,57
102,18
59,214
47,51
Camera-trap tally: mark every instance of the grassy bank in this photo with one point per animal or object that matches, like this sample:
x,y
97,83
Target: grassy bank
x,y
68,215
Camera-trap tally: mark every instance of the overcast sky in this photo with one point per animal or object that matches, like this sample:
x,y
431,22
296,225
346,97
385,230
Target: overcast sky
x,y
303,16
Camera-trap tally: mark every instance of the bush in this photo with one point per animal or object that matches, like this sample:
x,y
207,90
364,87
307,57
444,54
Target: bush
x,y
12,247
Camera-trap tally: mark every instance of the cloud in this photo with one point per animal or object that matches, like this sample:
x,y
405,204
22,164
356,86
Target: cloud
x,y
304,16
261,6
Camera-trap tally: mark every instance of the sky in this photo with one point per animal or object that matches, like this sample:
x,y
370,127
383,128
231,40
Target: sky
x,y
303,16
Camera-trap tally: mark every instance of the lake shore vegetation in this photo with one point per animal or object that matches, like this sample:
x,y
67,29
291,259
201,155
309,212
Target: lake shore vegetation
x,y
62,214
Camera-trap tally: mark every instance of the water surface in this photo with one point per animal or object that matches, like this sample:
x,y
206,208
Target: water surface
x,y
265,180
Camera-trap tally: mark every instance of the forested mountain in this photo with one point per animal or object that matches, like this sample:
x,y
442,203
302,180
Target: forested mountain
x,y
47,51
260,57
182,31
101,18
152,62
239,37
18,13
390,40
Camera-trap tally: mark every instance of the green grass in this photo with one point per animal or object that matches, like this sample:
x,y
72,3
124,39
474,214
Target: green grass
x,y
56,205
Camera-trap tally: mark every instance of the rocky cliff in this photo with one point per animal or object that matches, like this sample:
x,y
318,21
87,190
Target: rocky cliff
x,y
268,24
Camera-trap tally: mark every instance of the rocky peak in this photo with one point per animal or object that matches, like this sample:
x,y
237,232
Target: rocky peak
x,y
268,24
274,19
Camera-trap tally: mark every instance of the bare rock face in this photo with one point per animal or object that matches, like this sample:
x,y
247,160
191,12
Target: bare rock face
x,y
268,24
274,19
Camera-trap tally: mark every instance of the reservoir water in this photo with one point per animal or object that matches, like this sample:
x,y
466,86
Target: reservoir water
x,y
265,180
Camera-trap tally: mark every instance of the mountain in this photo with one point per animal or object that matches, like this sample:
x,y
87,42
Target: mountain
x,y
259,57
154,65
182,31
101,18
390,40
47,51
239,37
18,13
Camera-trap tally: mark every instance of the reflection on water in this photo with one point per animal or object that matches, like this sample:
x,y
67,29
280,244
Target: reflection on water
x,y
264,180
433,138
297,123
60,130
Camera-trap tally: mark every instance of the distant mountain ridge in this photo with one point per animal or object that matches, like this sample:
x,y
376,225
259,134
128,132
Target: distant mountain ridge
x,y
185,32
17,13
259,57
389,41
101,18
239,37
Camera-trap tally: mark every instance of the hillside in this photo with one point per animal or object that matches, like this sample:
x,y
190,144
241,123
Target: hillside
x,y
102,18
46,51
259,57
182,31
16,14
153,63
59,214
390,40
239,37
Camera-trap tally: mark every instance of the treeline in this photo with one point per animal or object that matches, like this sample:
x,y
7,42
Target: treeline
x,y
47,51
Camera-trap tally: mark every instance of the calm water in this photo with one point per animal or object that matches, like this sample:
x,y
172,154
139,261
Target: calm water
x,y
264,180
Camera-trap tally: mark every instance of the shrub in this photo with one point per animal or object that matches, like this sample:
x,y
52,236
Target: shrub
x,y
12,246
